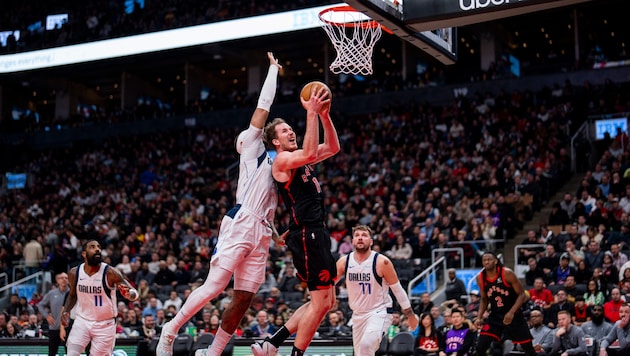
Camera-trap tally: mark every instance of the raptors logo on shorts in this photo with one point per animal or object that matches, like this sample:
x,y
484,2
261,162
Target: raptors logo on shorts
x,y
324,276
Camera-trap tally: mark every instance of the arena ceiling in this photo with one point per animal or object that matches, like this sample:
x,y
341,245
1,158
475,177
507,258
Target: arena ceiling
x,y
532,37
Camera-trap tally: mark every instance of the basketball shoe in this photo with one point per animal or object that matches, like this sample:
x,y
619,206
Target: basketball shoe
x,y
165,345
201,352
264,348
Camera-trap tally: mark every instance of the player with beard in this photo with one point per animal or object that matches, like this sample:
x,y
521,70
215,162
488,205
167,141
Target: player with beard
x,y
369,277
93,291
501,289
597,328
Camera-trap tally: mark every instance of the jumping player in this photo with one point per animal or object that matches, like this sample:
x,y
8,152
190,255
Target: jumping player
x,y
244,236
308,238
369,277
93,290
503,291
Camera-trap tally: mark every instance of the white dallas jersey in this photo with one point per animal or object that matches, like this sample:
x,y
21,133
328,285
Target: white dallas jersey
x,y
96,301
367,292
255,180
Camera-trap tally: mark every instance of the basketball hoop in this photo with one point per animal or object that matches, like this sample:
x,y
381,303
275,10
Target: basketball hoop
x,y
353,34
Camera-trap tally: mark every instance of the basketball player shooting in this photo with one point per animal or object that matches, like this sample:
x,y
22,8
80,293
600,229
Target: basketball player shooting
x,y
93,287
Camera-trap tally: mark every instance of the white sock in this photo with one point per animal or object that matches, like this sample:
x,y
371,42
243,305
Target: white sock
x,y
220,340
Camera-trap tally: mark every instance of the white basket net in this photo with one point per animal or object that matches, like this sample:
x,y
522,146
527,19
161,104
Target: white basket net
x,y
353,35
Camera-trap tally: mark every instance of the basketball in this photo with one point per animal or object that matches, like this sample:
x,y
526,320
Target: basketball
x,y
309,87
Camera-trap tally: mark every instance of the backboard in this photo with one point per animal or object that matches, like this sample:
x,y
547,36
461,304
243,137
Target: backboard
x,y
437,42
431,24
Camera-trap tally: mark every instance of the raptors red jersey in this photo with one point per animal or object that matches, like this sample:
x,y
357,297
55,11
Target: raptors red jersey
x,y
303,196
501,295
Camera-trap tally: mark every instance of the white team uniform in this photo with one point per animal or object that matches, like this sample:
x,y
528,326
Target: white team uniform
x,y
95,313
369,299
245,232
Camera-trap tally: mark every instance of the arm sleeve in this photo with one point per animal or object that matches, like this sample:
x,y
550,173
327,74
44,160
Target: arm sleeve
x,y
268,91
400,295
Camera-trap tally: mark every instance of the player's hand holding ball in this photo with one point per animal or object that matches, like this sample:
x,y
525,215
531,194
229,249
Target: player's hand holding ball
x,y
313,88
133,295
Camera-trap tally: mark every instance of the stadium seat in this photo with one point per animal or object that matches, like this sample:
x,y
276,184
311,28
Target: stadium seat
x,y
181,289
382,349
402,264
556,229
152,346
203,341
182,345
402,344
405,275
142,348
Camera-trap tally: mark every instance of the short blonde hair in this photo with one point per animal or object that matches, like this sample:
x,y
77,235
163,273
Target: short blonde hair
x,y
362,228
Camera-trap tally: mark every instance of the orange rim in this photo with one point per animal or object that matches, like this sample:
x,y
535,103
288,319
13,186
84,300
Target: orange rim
x,y
368,23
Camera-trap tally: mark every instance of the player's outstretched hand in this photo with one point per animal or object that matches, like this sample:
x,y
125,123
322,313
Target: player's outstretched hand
x,y
273,60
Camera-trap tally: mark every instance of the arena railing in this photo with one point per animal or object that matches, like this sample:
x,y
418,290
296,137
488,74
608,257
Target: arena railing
x,y
459,250
428,276
24,287
520,269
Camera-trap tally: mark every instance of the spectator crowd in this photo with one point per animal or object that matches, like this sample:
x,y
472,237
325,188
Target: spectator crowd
x,y
422,177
